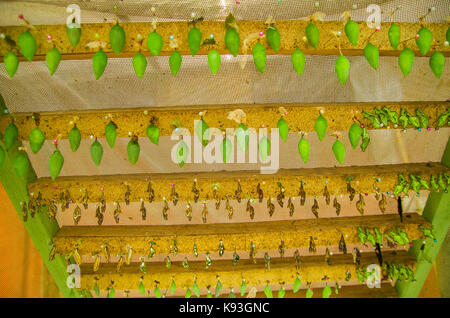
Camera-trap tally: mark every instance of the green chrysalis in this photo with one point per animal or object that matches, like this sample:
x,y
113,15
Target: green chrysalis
x,y
154,43
242,137
232,41
202,131
281,292
195,289
243,287
342,69
73,32
309,293
175,62
10,135
141,288
11,62
111,133
339,151
394,35
283,128
99,62
326,292
157,292
354,134
437,61
53,57
133,150
298,61
372,55
74,138
173,287
406,61
188,293
297,284
153,133
36,138
194,40
352,32
21,164
55,163
259,57
447,35
96,290
117,38
312,34
182,153
424,40
139,64
214,61
96,152
225,149
365,139
321,127
273,38
264,148
218,288
27,45
268,291
304,149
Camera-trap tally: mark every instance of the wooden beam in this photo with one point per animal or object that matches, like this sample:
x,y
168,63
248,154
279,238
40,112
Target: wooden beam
x,y
115,186
300,117
292,34
436,211
40,228
312,269
235,236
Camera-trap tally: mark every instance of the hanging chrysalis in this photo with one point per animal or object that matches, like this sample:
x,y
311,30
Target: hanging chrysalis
x,y
354,134
208,261
356,256
235,258
253,252
195,288
326,293
119,263
281,249
55,163
51,210
214,61
229,209
406,60
133,150
312,245
36,138
99,62
320,126
139,63
437,62
342,69
232,39
173,287
302,194
142,267
326,194
268,291
27,45
270,207
350,189
85,199
154,43
218,287
141,287
267,261
129,254
372,55
264,148
250,209
243,287
342,245
96,263
165,209
352,32
168,262
204,212
315,208
202,131
370,238
280,196
312,34
117,212
221,248
216,197
283,127
361,235
76,215
382,203
424,39
98,215
175,60
143,210
297,259
195,191
259,57
339,150
238,191
297,283
327,256
337,206
360,204
175,247
291,207
260,193
11,62
394,35
188,211
298,61
304,148
185,263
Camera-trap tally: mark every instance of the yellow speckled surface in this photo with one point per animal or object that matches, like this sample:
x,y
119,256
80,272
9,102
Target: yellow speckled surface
x,y
314,179
292,33
300,117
